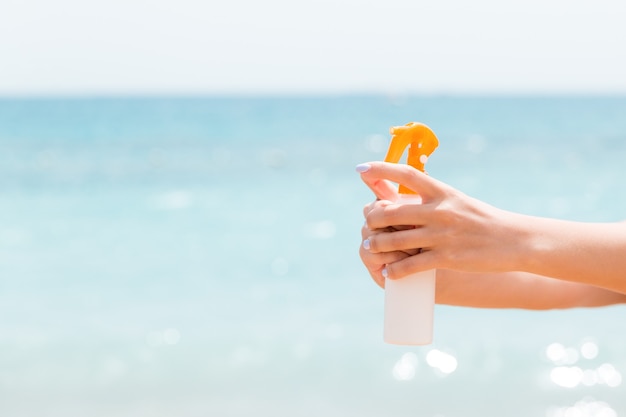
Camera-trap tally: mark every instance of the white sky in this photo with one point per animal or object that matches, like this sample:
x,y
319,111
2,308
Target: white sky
x,y
311,46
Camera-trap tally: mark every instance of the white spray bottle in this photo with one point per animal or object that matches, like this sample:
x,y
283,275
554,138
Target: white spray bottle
x,y
410,301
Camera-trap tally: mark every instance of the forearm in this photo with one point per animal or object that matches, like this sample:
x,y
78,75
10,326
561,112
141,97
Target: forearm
x,y
587,253
518,290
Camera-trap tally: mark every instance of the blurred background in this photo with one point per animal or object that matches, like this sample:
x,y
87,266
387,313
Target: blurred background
x,y
180,216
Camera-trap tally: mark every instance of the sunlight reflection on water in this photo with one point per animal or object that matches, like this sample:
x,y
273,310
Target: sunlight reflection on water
x,y
566,374
573,376
583,408
443,363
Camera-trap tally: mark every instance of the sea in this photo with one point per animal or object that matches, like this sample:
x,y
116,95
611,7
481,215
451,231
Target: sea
x,y
198,256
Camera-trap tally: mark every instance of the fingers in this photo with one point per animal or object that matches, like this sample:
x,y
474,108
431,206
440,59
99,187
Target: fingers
x,y
374,174
396,264
375,204
401,240
411,264
393,231
376,262
392,253
380,216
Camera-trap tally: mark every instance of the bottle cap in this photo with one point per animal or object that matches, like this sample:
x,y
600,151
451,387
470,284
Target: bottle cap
x,y
421,141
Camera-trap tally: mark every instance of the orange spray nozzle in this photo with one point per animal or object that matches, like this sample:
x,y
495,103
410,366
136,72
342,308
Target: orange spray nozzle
x,y
421,141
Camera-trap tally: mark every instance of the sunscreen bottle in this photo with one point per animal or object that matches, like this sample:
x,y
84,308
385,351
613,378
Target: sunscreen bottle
x,y
410,301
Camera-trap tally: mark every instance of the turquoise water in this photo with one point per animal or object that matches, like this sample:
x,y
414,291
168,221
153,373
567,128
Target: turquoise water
x,y
198,257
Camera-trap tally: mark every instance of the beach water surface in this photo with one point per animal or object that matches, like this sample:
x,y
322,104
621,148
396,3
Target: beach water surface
x,y
199,257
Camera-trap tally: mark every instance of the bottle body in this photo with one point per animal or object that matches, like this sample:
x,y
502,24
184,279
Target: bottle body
x,y
410,304
409,309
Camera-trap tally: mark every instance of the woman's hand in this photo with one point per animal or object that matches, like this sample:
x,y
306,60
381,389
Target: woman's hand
x,y
487,257
449,229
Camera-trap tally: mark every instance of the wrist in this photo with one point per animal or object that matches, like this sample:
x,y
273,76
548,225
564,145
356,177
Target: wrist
x,y
525,243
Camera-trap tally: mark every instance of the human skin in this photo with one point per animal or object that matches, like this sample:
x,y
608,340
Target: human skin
x,y
485,256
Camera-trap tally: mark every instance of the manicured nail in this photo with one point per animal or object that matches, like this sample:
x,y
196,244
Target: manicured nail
x,y
366,244
363,168
385,273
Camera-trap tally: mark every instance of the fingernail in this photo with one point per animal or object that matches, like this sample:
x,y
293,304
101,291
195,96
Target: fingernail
x,y
366,244
385,273
363,168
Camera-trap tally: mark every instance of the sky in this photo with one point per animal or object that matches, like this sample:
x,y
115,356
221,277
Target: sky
x,y
221,47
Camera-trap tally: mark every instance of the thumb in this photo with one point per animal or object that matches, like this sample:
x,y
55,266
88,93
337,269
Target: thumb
x,y
375,174
383,190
